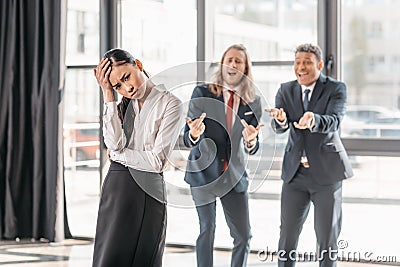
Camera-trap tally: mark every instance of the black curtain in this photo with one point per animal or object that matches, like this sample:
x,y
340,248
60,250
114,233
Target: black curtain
x,y
29,97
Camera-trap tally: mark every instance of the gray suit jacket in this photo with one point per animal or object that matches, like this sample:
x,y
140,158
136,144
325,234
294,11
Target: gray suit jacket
x,y
207,157
325,152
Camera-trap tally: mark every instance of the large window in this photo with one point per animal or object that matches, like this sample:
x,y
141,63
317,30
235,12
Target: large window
x,y
81,117
160,33
82,32
270,29
163,34
370,68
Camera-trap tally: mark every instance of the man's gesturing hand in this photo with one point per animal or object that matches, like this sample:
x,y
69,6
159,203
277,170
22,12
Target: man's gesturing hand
x,y
250,132
277,114
196,126
305,122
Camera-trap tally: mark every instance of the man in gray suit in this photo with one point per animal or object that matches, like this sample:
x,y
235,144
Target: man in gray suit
x,y
315,161
222,125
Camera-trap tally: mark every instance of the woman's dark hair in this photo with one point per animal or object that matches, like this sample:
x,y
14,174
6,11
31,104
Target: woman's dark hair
x,y
118,57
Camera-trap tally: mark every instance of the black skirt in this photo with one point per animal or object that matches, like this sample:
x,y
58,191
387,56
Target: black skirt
x,y
131,225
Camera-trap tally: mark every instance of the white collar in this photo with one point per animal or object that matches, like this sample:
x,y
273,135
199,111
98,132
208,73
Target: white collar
x,y
311,87
227,88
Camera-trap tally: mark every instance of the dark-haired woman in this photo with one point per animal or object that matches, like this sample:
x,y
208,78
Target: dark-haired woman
x,y
140,133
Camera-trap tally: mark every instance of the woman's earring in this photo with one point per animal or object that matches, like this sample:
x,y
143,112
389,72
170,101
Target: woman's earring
x,y
139,64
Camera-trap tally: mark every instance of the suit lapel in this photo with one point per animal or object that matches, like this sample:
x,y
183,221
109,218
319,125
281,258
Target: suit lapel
x,y
318,89
220,111
237,125
298,101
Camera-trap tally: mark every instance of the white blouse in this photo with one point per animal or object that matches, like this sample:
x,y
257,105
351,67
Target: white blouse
x,y
155,130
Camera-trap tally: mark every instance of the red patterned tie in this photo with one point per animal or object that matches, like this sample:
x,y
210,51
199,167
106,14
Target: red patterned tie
x,y
229,111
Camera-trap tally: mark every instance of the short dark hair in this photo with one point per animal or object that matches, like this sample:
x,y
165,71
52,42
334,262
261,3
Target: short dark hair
x,y
310,48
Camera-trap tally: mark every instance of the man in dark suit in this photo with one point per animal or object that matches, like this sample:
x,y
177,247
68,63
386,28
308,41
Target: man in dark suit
x,y
222,126
315,161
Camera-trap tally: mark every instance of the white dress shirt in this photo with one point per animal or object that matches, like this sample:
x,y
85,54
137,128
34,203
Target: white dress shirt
x,y
284,124
155,131
303,89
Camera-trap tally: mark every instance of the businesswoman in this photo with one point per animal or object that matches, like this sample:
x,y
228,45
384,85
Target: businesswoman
x,y
222,126
140,133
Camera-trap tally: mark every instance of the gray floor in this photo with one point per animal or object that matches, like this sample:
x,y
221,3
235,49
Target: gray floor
x,y
370,221
370,211
77,253
367,228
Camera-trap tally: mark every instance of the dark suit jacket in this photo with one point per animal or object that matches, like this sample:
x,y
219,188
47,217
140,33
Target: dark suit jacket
x,y
325,152
207,156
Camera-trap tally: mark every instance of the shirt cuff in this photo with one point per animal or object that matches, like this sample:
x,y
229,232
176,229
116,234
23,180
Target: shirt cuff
x,y
193,141
250,148
253,145
282,124
118,157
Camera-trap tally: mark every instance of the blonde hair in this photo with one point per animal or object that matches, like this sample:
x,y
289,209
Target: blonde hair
x,y
246,91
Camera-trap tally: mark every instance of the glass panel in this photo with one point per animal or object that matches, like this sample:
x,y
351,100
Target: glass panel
x,y
270,29
370,37
370,68
161,33
83,36
81,150
370,214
